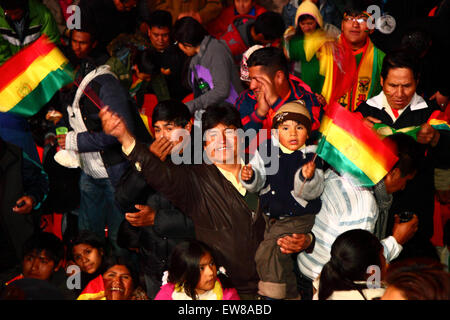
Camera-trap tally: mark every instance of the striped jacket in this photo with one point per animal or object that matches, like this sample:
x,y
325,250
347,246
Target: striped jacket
x,y
344,207
38,21
247,105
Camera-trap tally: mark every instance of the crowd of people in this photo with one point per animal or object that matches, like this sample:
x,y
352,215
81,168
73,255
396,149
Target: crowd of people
x,y
181,163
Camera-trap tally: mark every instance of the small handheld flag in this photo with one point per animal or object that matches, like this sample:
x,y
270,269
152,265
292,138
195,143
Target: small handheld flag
x,y
31,77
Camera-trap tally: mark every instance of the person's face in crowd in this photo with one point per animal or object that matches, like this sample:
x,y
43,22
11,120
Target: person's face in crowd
x,y
243,6
188,49
261,79
38,265
222,144
159,37
292,134
118,283
399,87
124,5
87,257
308,25
170,131
392,293
355,31
394,181
14,14
82,43
255,73
208,274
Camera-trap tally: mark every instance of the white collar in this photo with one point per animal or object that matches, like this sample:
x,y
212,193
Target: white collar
x,y
416,103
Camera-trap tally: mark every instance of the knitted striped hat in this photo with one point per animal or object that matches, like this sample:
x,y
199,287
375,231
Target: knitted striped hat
x,y
295,110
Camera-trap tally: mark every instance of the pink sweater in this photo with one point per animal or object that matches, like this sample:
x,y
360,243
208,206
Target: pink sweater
x,y
166,291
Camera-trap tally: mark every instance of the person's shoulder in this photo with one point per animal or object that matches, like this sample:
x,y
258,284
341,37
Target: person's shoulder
x,y
165,292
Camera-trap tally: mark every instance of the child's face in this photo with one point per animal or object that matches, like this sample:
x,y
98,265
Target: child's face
x,y
308,25
208,274
38,265
87,257
292,134
243,6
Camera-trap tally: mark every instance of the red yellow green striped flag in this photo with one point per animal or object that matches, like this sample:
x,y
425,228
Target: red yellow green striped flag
x,y
95,290
439,120
30,78
353,148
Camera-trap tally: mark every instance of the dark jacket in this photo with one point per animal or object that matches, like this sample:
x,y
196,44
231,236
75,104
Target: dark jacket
x,y
221,216
18,176
156,242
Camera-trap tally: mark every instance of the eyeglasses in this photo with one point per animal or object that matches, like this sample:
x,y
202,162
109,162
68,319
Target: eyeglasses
x,y
353,19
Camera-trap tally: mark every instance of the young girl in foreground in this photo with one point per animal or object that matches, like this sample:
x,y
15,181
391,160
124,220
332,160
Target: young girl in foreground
x,y
193,275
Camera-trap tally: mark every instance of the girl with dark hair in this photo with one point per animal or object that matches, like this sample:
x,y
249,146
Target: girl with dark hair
x,y
87,251
212,75
193,275
345,276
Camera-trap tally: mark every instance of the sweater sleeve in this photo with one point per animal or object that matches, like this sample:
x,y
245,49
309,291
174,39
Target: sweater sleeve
x,y
113,95
259,175
221,78
50,27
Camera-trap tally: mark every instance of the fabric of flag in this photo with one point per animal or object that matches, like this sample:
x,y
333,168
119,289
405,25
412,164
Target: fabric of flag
x,y
352,148
383,130
95,290
338,67
31,77
439,120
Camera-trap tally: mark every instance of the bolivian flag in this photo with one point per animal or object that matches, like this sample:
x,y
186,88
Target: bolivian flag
x,y
31,77
439,120
353,148
95,290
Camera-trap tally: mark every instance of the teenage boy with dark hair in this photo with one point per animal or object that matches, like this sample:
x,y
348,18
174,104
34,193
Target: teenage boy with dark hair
x,y
43,255
169,56
158,225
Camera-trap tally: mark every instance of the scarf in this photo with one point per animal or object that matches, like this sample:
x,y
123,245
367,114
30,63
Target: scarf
x,y
366,76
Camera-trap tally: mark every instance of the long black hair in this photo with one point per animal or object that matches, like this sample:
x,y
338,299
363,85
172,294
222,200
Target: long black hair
x,y
184,265
351,253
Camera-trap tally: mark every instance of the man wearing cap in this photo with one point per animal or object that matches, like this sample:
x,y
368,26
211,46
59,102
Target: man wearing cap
x,y
289,199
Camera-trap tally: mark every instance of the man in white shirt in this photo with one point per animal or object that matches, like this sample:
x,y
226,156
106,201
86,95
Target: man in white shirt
x,y
346,206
